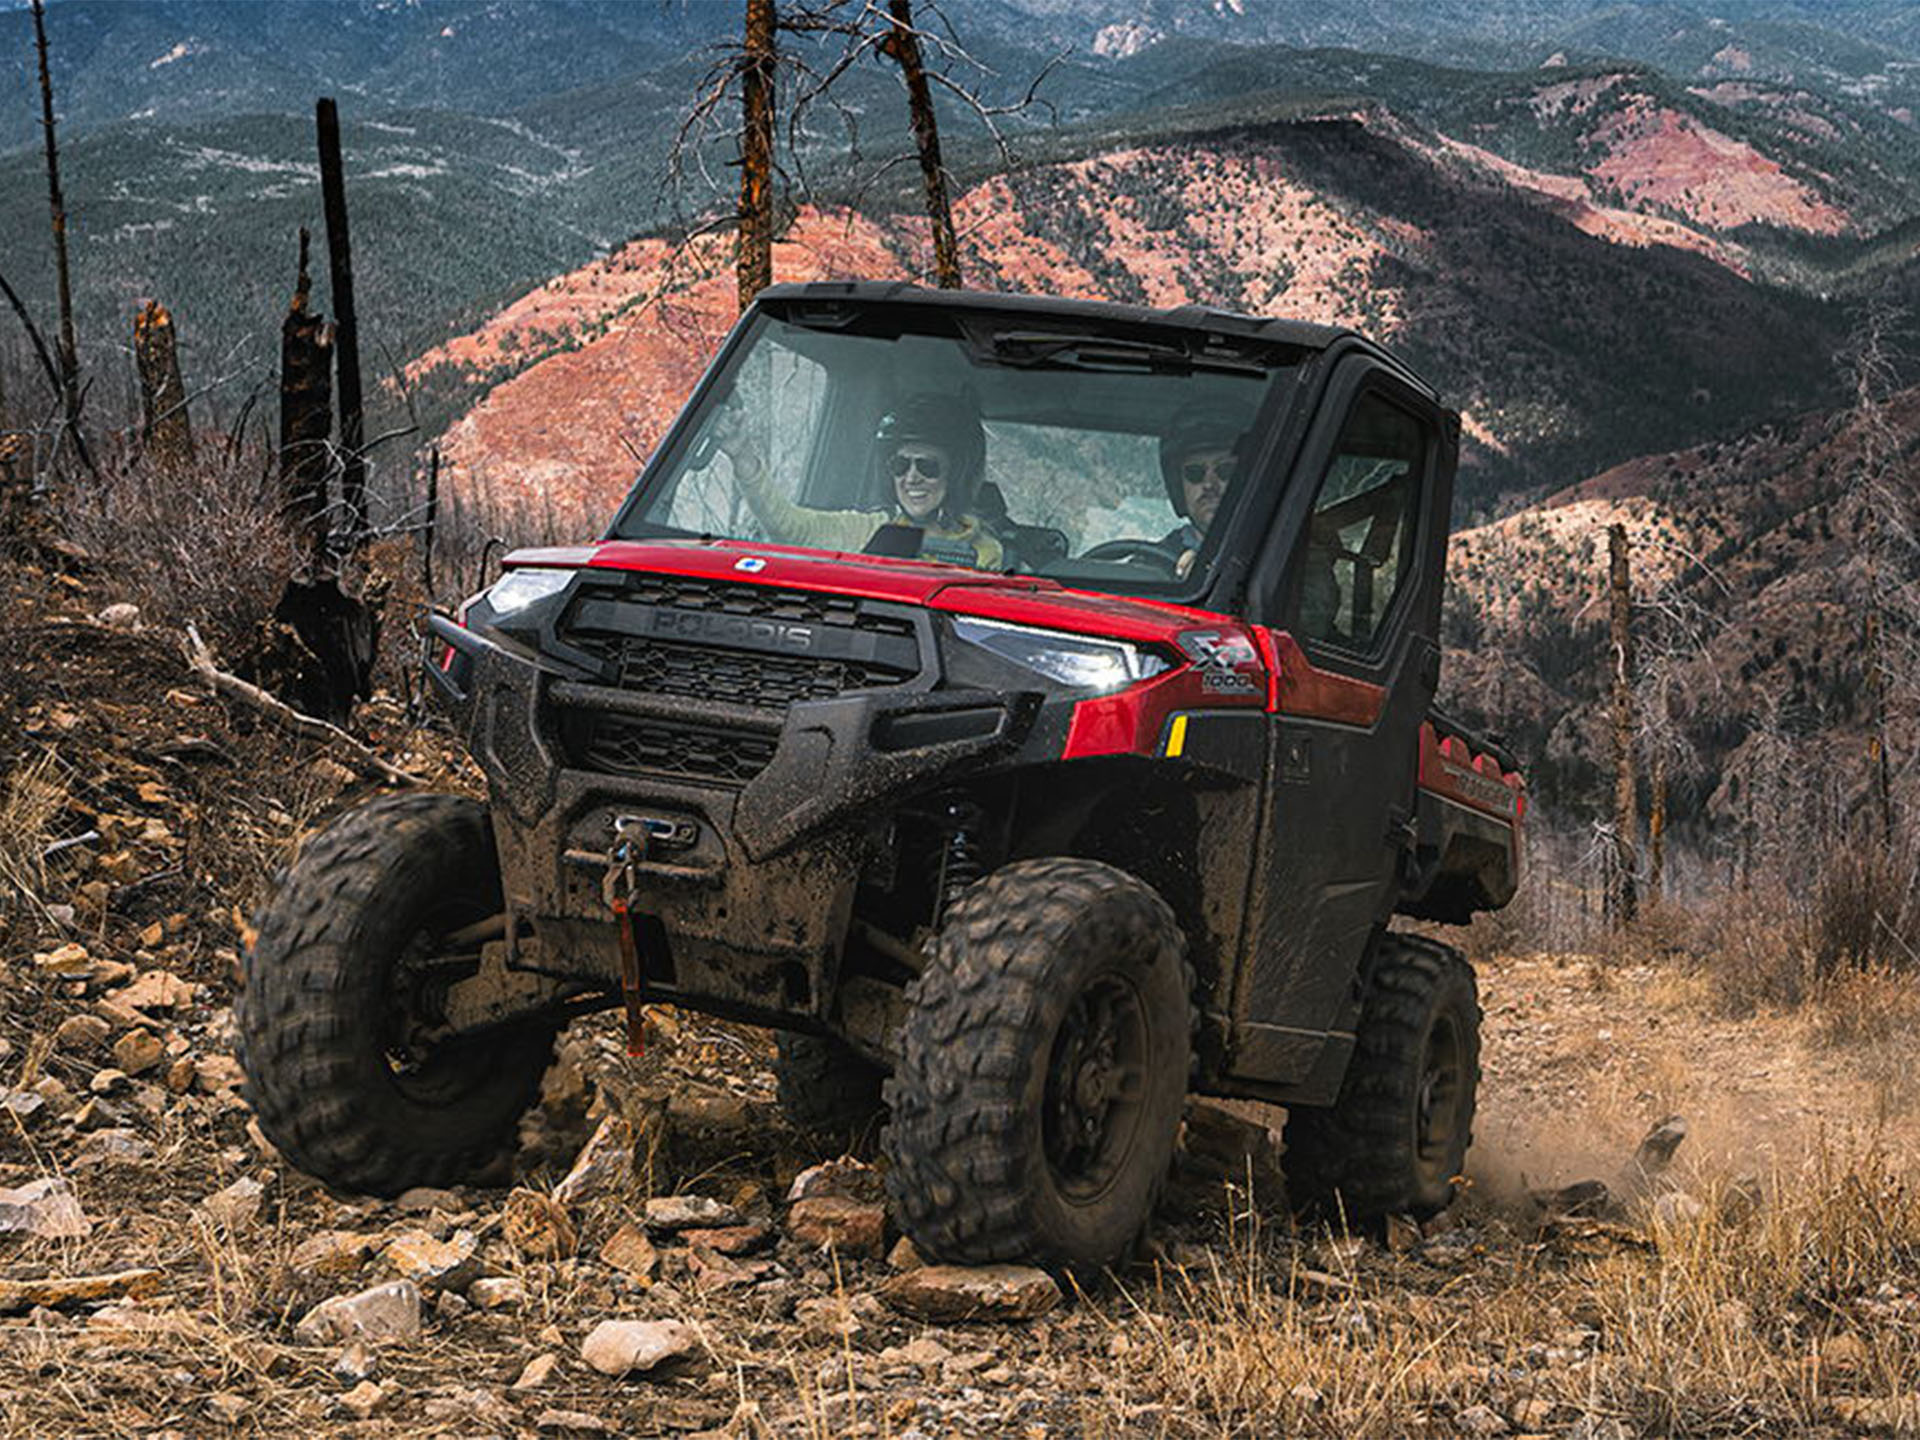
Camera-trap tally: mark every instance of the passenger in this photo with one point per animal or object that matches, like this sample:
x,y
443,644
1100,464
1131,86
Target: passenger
x,y
929,450
1199,457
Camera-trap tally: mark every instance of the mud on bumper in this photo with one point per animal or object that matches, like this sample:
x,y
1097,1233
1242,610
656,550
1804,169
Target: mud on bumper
x,y
747,890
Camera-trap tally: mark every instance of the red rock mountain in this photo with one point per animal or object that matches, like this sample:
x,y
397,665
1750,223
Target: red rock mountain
x,y
1570,323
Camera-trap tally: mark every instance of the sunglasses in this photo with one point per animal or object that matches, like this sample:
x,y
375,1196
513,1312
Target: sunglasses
x,y
1194,472
927,465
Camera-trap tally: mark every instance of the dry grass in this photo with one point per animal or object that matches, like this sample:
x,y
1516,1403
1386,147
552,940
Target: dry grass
x,y
1725,1322
30,809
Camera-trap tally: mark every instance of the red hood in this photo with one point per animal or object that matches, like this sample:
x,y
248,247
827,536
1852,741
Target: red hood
x,y
1021,599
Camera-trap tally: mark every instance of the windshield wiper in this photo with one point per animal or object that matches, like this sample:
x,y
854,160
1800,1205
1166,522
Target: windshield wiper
x,y
1038,349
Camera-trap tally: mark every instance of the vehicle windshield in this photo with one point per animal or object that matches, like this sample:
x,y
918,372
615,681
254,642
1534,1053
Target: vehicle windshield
x,y
1100,458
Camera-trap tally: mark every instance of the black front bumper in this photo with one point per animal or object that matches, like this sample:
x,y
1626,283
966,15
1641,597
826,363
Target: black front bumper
x,y
743,902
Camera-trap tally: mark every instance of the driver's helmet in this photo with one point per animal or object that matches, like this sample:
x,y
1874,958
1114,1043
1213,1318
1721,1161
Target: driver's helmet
x,y
951,421
1205,427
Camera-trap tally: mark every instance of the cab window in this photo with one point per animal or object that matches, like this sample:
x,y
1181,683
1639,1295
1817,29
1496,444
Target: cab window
x,y
1359,548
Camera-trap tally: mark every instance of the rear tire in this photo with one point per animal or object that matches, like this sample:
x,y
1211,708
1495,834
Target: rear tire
x,y
828,1091
1396,1139
333,990
1043,1070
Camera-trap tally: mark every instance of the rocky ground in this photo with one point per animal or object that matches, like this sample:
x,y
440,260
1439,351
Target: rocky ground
x,y
670,1258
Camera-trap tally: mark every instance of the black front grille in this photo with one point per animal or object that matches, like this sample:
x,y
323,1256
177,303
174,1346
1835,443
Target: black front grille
x,y
754,646
624,745
739,677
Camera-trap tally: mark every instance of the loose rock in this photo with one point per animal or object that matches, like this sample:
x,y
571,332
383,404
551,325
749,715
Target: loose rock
x,y
845,1177
1655,1153
47,1209
630,1251
854,1227
731,1240
81,1034
624,1347
361,1401
52,1293
502,1292
237,1206
687,1212
389,1312
450,1264
537,1372
138,1051
604,1166
155,990
332,1252
943,1293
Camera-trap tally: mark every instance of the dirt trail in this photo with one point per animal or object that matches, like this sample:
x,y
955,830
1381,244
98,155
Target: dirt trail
x,y
1581,1058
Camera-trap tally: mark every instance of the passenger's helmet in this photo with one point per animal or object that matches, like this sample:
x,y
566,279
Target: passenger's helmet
x,y
1205,427
951,421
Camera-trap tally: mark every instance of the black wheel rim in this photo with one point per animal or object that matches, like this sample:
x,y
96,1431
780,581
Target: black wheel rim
x,y
424,1067
1096,1088
1438,1118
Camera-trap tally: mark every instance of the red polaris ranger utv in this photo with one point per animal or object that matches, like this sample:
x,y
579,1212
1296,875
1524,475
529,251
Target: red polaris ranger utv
x,y
1023,706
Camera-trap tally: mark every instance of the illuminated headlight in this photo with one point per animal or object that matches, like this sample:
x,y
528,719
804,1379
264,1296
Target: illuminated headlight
x,y
1076,660
517,589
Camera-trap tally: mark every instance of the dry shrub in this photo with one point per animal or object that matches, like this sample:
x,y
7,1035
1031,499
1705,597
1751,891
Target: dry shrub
x,y
202,543
1863,909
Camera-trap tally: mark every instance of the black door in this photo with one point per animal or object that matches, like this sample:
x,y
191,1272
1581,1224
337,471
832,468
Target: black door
x,y
1351,589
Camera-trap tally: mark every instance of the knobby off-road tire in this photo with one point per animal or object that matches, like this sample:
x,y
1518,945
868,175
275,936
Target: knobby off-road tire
x,y
1042,1071
827,1090
328,986
1397,1137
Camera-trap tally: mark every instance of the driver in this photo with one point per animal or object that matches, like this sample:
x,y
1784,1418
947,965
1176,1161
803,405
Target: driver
x,y
1199,457
929,450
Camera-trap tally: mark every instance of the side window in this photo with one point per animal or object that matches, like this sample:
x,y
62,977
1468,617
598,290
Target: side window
x,y
1360,541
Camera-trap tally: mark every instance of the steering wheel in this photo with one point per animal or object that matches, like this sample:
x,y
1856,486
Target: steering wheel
x,y
1133,552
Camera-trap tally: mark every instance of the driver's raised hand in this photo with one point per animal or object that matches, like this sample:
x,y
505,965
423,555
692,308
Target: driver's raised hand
x,y
743,442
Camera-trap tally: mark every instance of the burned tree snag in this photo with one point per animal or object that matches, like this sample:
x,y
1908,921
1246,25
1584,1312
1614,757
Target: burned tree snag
x,y
755,235
346,335
1623,895
431,519
163,398
306,419
69,351
902,45
1657,819
69,385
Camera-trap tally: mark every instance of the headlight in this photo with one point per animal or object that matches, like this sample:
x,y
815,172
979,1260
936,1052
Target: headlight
x,y
1076,660
518,589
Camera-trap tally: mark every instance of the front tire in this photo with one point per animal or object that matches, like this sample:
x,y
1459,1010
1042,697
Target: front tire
x,y
1042,1071
333,999
1396,1139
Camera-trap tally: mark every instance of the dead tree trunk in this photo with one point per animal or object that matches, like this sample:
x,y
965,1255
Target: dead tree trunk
x,y
755,236
306,419
68,350
432,519
163,397
346,331
903,46
1623,899
1657,817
